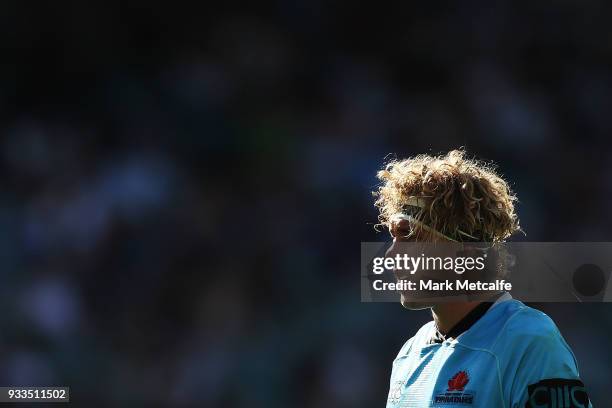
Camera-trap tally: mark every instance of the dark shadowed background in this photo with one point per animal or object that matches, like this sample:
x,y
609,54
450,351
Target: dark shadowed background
x,y
184,190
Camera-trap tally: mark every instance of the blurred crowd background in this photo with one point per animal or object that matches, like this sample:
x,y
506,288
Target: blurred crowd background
x,y
184,190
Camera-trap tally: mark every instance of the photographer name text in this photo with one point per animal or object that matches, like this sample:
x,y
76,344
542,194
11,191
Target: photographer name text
x,y
446,286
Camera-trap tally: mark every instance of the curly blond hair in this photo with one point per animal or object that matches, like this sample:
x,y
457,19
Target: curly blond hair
x,y
461,198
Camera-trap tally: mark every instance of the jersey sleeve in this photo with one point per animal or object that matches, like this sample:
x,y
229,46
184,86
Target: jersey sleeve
x,y
544,367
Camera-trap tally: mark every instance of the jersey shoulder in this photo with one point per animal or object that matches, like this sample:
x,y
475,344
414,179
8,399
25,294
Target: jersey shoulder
x,y
534,360
528,339
528,326
508,322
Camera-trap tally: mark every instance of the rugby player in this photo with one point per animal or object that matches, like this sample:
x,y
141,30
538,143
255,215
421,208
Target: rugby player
x,y
493,353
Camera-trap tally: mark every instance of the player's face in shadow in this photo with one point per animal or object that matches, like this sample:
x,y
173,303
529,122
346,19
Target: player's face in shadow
x,y
400,232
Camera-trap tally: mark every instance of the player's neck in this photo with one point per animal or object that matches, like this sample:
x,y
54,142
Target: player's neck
x,y
447,315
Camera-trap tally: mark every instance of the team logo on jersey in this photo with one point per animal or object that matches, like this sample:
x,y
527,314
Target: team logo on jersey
x,y
456,392
557,393
458,381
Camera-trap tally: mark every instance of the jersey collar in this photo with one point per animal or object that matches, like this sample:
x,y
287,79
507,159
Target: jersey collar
x,y
468,321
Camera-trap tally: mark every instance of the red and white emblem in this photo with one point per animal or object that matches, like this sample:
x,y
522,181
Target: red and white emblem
x,y
458,381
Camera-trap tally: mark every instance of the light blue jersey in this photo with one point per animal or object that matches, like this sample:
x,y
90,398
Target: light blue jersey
x,y
513,356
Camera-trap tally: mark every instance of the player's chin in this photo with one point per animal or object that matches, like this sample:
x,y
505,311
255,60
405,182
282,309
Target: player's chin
x,y
413,304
